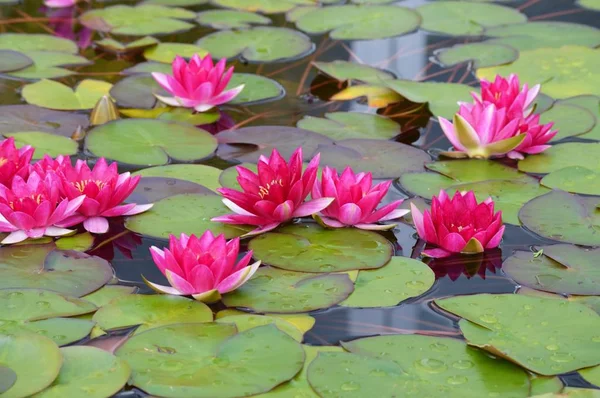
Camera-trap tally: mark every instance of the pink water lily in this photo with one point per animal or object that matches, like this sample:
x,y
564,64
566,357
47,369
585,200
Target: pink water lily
x,y
199,84
48,163
13,161
60,3
104,189
204,267
33,208
355,201
275,195
458,225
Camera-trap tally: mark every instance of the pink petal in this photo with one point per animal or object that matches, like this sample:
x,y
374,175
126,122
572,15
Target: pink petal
x,y
179,283
453,242
14,237
96,225
139,209
261,230
331,223
55,231
350,214
238,278
312,207
436,253
376,227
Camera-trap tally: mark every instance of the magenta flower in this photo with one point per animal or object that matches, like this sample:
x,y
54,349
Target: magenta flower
x,y
204,267
60,3
536,138
104,189
13,161
355,201
199,84
459,225
47,163
33,208
275,195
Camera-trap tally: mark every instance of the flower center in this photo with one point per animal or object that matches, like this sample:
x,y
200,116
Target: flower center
x,y
3,161
80,185
36,198
264,190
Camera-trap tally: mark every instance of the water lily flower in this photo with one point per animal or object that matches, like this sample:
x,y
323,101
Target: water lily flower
x,y
536,137
13,161
204,267
60,3
355,201
459,225
199,84
104,189
275,195
47,163
33,208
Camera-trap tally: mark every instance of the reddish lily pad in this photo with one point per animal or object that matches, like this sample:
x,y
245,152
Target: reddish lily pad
x,y
198,360
280,291
207,176
154,189
249,143
41,267
385,159
310,248
16,118
564,217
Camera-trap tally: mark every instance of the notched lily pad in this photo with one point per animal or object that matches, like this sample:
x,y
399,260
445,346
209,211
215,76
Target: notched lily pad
x,y
245,322
230,19
481,54
564,155
343,125
44,143
55,95
574,179
206,176
17,118
37,304
345,70
569,119
154,189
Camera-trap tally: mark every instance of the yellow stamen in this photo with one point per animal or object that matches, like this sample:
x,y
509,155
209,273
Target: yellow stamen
x,y
264,190
80,185
3,161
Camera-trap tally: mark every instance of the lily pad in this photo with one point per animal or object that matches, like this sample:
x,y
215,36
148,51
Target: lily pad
x,y
230,19
41,267
35,359
592,104
62,331
561,77
55,95
564,155
385,159
154,189
259,44
25,42
197,360
149,142
12,60
574,179
140,20
250,321
106,294
166,52
36,304
88,370
443,365
459,18
16,118
377,96
44,143
207,176
400,279
344,70
7,378
441,97
591,375
180,115
280,291
114,46
228,177
352,22
564,217
249,143
482,54
187,213
264,6
310,248
81,242
47,65
257,89
150,311
570,120
342,125
176,3
516,327
560,269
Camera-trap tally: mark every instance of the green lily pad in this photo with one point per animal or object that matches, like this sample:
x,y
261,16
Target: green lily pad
x,y
140,20
590,301
572,392
166,52
574,179
42,267
591,375
482,54
385,159
259,44
445,366
106,294
592,104
352,22
149,142
55,95
35,359
544,385
458,18
517,327
441,97
187,213
150,311
207,176
228,177
36,304
198,360
7,378
250,321
265,6
62,331
180,115
81,242
230,19
176,3
17,118
148,67
25,42
561,77
342,125
12,61
400,279
114,46
570,120
310,248
592,5
564,155
560,269
280,291
257,89
563,217
88,370
344,70
47,65
537,34
137,91
45,143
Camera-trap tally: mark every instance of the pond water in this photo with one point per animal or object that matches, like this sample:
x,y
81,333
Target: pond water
x,y
561,57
